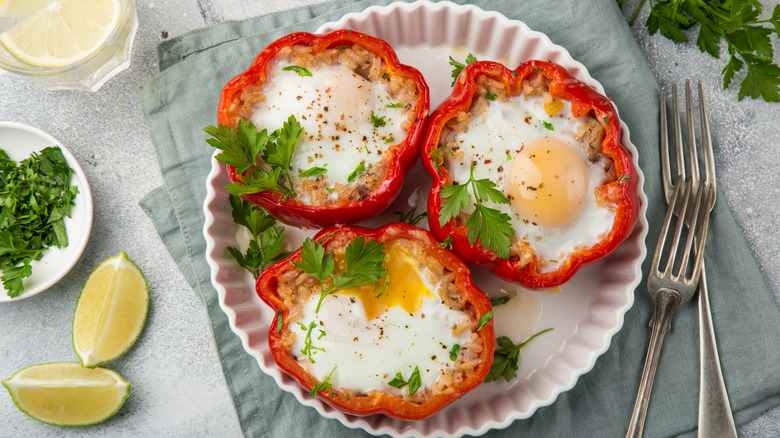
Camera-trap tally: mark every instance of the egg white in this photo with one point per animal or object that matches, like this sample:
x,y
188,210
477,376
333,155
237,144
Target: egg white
x,y
367,354
497,135
334,106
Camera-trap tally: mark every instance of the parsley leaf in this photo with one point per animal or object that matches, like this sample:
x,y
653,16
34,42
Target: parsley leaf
x,y
298,69
279,321
490,96
314,171
497,301
260,158
395,105
747,38
359,170
548,125
458,67
505,359
455,352
490,226
377,121
267,239
398,381
35,197
484,319
414,382
364,265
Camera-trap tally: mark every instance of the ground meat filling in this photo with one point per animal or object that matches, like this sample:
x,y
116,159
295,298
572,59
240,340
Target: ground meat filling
x,y
590,135
318,192
296,288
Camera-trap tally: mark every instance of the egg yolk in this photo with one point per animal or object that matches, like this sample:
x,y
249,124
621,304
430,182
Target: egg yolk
x,y
406,287
548,183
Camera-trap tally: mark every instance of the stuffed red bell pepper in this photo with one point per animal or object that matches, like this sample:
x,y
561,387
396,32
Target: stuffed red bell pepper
x,y
379,321
529,176
342,118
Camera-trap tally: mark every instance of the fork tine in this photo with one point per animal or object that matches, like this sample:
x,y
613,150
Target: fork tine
x,y
665,165
678,146
706,140
693,232
659,247
681,201
693,158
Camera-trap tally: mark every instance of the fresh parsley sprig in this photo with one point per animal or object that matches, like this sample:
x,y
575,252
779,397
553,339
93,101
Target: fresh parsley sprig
x,y
35,197
737,23
262,159
364,265
411,216
505,359
458,67
489,225
267,239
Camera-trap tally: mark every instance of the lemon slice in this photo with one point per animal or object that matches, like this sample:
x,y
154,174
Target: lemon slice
x,y
62,33
21,8
66,394
110,312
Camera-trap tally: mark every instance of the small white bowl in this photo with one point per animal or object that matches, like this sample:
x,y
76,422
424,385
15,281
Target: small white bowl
x,y
19,141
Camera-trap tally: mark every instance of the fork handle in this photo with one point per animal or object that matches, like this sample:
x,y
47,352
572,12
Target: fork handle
x,y
715,417
666,301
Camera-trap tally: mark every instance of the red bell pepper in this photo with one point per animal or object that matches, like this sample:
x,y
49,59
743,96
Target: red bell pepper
x,y
399,156
584,100
379,402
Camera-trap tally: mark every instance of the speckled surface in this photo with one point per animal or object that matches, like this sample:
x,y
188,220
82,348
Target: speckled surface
x,y
178,386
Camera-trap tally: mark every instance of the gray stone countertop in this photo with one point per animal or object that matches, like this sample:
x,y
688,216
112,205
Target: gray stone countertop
x,y
179,388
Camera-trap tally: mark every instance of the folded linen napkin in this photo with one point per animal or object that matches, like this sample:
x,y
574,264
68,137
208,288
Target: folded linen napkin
x,y
183,98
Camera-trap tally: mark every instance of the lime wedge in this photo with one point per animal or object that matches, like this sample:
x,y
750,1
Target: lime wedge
x,y
110,312
66,394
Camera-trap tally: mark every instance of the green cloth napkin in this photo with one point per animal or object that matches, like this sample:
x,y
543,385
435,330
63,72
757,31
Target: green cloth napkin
x,y
183,98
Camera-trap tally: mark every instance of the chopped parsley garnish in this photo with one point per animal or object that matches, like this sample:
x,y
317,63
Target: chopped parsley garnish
x,y
505,359
267,239
497,301
458,67
258,157
325,384
490,225
446,243
385,75
377,121
548,125
359,170
364,265
414,381
35,196
389,140
485,319
537,69
490,96
341,47
314,171
411,217
454,352
606,120
309,349
398,381
279,321
437,155
298,69
624,178
395,105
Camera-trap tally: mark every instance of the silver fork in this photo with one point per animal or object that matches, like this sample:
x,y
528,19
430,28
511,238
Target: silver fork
x,y
715,416
674,281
